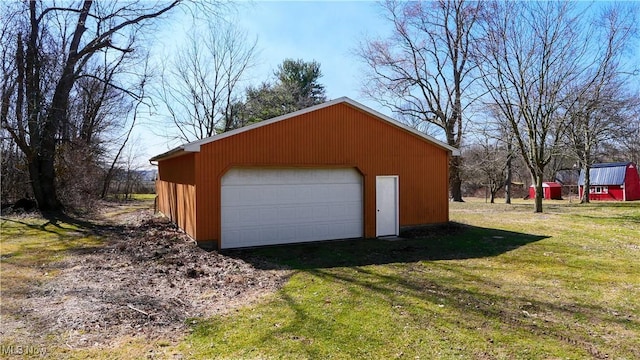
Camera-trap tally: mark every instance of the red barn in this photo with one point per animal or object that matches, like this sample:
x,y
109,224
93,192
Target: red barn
x,y
551,191
332,171
612,181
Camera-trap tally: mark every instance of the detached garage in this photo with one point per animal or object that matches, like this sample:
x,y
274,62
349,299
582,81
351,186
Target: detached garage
x,y
332,171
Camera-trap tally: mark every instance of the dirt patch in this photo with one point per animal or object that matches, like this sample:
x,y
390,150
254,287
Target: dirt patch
x,y
148,279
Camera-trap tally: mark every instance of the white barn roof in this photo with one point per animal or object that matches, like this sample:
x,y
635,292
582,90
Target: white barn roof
x,y
606,174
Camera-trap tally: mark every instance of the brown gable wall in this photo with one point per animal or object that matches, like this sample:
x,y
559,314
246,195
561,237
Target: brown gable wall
x,y
338,135
180,169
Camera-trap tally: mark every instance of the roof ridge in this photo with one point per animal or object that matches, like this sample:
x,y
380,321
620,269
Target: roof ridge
x,y
612,164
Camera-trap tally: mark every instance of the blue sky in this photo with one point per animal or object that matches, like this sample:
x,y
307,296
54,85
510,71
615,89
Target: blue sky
x,y
326,31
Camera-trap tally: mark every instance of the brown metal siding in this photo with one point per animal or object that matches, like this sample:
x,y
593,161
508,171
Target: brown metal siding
x,y
177,202
177,192
339,135
179,169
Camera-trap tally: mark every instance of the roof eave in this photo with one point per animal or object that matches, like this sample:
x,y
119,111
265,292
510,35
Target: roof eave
x,y
180,150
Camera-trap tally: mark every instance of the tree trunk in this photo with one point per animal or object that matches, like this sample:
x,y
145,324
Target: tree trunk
x,y
455,181
587,184
507,182
539,193
42,176
42,163
42,134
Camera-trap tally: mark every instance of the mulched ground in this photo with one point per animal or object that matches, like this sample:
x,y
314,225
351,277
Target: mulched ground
x,y
148,279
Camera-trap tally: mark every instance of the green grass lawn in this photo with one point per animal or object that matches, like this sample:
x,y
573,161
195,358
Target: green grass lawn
x,y
499,283
503,283
27,247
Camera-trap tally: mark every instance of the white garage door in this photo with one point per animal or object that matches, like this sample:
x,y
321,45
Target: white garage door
x,y
279,206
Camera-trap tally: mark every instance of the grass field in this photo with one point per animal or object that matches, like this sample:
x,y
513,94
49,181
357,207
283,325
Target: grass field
x,y
499,283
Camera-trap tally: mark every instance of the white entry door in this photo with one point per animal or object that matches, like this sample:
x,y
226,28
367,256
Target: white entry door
x,y
387,221
266,206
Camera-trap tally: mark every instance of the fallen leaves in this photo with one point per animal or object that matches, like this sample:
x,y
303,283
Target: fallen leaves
x,y
146,280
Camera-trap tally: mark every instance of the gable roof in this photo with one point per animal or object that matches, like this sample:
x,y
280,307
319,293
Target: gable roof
x,y
606,174
194,146
549,184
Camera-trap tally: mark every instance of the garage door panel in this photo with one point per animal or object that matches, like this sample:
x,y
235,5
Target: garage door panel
x,y
284,176
277,206
304,214
233,236
322,212
352,229
244,217
352,209
348,191
267,216
323,230
290,194
287,234
231,217
338,210
230,196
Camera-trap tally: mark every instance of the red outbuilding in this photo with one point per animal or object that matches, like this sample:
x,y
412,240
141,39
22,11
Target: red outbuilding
x,y
551,191
612,181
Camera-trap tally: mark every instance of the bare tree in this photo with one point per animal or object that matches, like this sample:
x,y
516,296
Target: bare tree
x,y
127,174
486,163
489,156
13,167
200,85
124,140
599,111
532,55
509,171
496,131
53,45
595,121
630,143
424,70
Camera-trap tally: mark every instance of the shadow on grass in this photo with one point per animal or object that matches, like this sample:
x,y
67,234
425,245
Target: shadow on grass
x,y
476,305
41,240
68,233
445,242
412,291
54,225
61,224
